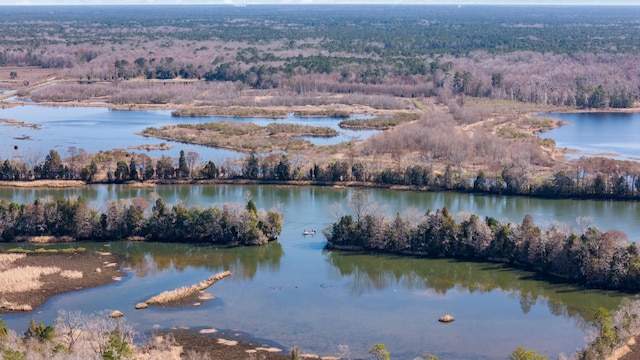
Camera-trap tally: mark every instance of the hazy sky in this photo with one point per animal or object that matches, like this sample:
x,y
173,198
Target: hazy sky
x,y
248,2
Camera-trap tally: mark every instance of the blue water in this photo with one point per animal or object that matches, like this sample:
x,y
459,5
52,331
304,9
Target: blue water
x,y
599,134
97,128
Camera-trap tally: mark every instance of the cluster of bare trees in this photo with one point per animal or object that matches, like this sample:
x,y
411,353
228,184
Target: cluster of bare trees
x,y
544,77
77,335
437,139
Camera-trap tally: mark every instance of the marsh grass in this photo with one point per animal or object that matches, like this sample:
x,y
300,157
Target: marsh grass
x,y
242,136
186,291
300,130
46,251
380,122
239,112
72,274
8,259
24,278
10,306
322,113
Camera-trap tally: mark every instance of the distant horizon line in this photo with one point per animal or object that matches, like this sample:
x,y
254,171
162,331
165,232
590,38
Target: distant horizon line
x,y
326,4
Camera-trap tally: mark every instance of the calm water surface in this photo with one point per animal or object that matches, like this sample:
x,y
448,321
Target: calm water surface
x,y
295,293
97,128
599,134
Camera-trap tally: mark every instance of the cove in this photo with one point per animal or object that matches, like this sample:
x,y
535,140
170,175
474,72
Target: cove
x,y
100,129
598,134
295,293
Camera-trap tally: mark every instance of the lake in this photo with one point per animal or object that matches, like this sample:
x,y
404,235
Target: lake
x,y
599,134
295,293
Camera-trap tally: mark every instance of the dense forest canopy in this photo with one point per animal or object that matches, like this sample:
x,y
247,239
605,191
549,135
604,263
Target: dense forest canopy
x,y
384,30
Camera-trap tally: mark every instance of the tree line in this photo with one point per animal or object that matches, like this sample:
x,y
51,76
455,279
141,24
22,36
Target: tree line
x,y
593,258
542,55
587,178
74,219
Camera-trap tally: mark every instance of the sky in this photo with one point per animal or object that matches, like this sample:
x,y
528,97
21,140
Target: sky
x,y
249,2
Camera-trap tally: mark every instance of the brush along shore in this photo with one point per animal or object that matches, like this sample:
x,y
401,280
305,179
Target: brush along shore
x,y
179,294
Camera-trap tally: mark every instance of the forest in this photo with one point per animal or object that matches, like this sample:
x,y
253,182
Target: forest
x,y
583,57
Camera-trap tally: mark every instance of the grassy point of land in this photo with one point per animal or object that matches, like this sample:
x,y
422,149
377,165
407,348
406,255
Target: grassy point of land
x,y
28,279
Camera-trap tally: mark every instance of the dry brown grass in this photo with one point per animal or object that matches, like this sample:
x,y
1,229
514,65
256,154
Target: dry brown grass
x,y
10,306
7,259
44,183
72,274
24,278
185,291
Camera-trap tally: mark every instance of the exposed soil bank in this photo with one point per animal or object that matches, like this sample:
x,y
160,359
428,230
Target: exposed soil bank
x,y
86,262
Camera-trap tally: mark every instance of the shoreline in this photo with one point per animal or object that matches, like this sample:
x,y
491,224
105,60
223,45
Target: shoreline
x,y
345,110
96,269
217,344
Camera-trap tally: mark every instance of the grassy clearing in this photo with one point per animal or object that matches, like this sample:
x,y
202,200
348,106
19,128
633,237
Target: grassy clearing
x,y
24,278
511,132
186,291
527,127
514,107
419,105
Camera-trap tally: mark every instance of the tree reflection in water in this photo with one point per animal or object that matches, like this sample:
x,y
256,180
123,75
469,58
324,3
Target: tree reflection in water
x,y
366,272
243,262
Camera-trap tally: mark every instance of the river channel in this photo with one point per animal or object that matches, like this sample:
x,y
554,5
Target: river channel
x,y
295,293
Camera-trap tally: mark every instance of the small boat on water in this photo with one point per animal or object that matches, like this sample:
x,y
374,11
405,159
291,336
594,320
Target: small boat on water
x,y
308,232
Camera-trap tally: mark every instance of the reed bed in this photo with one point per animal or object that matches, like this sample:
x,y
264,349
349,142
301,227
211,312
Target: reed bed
x,y
24,278
186,291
